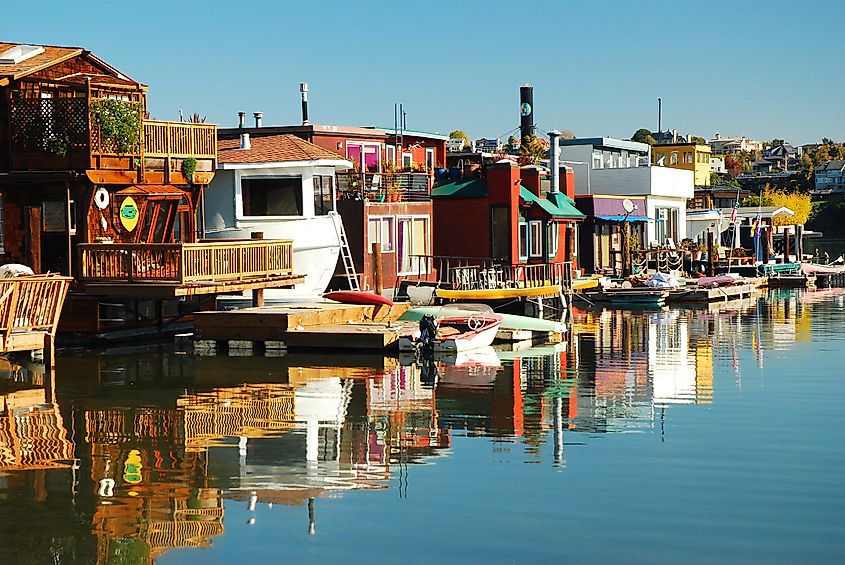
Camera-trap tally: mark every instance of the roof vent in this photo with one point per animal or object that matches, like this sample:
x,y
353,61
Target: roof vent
x,y
19,53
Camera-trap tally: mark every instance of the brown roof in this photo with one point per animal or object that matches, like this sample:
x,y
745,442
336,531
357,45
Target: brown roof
x,y
52,55
272,149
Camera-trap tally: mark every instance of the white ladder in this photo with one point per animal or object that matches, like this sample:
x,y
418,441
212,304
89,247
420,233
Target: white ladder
x,y
345,253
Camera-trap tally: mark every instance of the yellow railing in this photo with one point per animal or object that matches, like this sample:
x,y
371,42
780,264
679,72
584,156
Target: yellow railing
x,y
32,303
179,139
185,263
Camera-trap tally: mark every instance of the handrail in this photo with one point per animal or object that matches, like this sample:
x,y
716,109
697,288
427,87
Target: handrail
x,y
185,263
385,187
31,303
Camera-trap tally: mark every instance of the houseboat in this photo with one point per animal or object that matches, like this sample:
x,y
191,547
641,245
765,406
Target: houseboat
x,y
283,187
92,188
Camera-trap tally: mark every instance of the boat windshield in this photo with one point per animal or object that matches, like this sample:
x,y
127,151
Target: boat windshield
x,y
462,309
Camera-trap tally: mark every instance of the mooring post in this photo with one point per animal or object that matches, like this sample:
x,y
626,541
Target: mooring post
x,y
377,274
711,267
257,293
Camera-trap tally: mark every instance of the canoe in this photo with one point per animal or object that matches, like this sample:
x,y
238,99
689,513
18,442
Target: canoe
x,y
498,293
587,283
358,297
509,321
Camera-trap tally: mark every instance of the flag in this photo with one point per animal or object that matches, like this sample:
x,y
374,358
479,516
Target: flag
x,y
756,226
735,208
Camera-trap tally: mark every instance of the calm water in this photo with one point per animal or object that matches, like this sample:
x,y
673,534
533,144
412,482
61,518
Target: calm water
x,y
685,435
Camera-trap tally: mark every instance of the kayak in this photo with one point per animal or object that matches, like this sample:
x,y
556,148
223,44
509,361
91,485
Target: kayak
x,y
509,321
498,293
358,297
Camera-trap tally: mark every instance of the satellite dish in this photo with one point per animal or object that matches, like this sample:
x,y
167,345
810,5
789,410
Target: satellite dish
x,y
629,206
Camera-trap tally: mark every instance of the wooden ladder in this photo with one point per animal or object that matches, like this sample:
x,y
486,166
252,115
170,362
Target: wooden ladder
x,y
345,252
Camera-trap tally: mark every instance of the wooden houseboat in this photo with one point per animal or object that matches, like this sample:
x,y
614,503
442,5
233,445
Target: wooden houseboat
x,y
91,187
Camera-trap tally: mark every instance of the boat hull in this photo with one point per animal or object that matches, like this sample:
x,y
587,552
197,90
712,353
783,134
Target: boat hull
x,y
498,293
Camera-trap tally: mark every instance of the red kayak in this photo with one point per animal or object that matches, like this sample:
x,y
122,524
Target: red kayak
x,y
358,297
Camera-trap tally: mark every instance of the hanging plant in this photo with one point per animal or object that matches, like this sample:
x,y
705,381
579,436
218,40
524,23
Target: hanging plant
x,y
120,123
57,145
189,166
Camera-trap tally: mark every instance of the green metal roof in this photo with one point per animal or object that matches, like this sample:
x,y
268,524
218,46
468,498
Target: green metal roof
x,y
556,205
463,188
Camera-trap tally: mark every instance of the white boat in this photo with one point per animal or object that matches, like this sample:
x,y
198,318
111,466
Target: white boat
x,y
454,330
284,187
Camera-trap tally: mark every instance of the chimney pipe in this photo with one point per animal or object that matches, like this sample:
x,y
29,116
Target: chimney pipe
x,y
258,116
245,143
526,111
659,115
554,165
241,119
303,88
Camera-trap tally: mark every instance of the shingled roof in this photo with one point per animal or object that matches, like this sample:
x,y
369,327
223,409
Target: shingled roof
x,y
272,149
52,55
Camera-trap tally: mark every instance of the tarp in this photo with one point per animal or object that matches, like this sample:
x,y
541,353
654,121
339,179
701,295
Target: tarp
x,y
623,218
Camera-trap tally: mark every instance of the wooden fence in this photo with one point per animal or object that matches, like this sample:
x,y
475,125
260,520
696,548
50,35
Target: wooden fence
x,y
185,263
31,304
179,139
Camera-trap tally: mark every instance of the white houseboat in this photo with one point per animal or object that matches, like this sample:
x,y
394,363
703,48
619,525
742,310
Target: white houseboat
x,y
284,187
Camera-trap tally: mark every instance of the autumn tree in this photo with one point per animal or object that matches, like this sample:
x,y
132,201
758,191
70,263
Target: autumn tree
x,y
699,140
567,134
532,150
459,134
643,135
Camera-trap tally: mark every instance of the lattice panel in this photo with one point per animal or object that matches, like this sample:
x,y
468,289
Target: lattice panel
x,y
48,125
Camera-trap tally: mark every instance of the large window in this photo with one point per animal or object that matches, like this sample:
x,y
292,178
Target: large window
x,y
380,230
272,196
666,226
501,232
412,239
323,202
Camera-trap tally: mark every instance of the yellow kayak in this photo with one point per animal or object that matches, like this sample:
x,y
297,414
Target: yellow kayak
x,y
586,284
498,293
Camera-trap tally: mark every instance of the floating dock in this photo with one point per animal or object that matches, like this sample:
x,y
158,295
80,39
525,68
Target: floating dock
x,y
690,293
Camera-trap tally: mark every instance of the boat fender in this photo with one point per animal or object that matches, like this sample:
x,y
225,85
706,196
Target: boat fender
x,y
101,198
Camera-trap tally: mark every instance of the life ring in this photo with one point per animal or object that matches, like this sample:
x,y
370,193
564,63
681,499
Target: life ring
x,y
101,198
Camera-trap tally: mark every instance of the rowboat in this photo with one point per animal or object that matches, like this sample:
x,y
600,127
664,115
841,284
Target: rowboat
x,y
358,297
498,293
453,330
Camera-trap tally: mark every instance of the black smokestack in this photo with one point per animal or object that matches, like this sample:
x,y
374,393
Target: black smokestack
x,y
526,111
303,88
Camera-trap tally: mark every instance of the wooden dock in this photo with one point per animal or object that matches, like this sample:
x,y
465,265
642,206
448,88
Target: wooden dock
x,y
324,325
687,294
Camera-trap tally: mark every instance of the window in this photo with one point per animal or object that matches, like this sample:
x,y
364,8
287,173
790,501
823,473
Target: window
x,y
688,157
552,232
323,201
390,155
501,232
272,196
365,155
666,226
597,159
407,160
523,239
429,158
535,241
412,239
158,220
380,230
673,158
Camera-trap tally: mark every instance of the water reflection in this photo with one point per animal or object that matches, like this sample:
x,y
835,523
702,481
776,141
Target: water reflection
x,y
125,455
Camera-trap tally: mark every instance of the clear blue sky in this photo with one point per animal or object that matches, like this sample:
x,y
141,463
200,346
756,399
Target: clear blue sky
x,y
762,69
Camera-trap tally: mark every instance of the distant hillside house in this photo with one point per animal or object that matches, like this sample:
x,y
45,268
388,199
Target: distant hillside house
x,y
830,177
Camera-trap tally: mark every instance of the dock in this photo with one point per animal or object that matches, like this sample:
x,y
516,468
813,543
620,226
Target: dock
x,y
324,325
687,294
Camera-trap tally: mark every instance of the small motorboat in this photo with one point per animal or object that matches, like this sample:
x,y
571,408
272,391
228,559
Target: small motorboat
x,y
454,329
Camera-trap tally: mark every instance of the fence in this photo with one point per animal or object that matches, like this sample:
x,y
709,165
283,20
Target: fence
x,y
185,263
385,187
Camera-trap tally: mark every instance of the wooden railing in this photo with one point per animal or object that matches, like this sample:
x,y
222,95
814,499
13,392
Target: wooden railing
x,y
466,273
32,303
65,127
179,139
185,263
385,187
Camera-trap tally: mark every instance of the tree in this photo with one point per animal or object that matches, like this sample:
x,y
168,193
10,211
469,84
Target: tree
x,y
735,164
721,179
699,140
512,146
643,135
827,141
532,151
567,134
459,134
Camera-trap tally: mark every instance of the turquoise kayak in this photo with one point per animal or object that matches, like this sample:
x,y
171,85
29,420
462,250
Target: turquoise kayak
x,y
509,321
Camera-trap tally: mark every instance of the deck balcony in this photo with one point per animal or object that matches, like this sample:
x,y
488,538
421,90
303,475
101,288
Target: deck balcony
x,y
64,134
172,270
385,187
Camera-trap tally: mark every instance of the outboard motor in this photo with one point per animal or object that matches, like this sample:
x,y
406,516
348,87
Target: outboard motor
x,y
428,329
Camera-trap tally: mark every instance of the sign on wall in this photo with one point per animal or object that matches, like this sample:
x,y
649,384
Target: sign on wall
x,y
129,213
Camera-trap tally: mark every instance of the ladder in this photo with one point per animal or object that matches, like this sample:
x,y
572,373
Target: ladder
x,y
345,253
